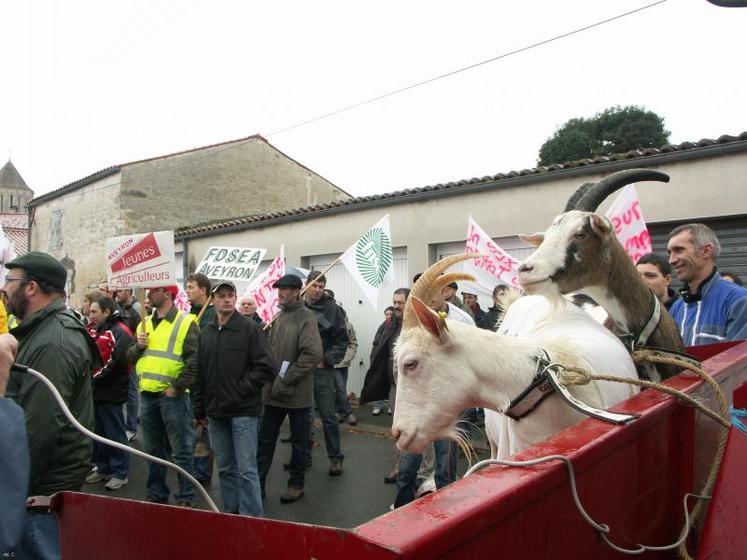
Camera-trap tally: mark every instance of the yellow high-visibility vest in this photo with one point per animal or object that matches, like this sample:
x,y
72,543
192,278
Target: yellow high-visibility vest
x,y
161,362
13,321
4,321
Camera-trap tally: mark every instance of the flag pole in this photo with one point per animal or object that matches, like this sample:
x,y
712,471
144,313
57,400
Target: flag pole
x,y
307,286
208,301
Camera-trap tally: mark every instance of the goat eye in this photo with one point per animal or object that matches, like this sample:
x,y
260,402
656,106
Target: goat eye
x,y
580,235
410,364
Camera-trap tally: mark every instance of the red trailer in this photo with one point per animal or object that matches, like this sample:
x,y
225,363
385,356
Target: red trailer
x,y
630,477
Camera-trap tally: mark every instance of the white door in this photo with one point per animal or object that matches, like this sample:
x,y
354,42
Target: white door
x,y
364,318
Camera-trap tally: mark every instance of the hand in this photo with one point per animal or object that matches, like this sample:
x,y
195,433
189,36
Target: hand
x,y
8,351
171,392
142,340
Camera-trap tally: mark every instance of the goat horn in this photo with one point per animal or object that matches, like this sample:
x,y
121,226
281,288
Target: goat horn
x,y
423,287
593,197
576,196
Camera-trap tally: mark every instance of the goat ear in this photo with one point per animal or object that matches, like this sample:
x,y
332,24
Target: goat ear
x,y
427,318
534,239
601,226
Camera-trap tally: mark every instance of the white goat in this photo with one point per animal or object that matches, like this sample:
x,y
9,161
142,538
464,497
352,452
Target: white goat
x,y
445,367
580,253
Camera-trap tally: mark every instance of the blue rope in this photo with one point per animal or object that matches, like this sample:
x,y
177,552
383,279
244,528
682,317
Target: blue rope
x,y
737,415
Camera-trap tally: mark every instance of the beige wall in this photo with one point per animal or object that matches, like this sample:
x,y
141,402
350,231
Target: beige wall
x,y
74,228
217,183
698,189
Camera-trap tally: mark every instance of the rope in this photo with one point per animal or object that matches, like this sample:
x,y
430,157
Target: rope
x,y
576,376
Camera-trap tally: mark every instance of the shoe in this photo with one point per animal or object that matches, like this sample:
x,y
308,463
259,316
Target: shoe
x,y
427,487
335,469
185,503
156,499
131,435
95,477
115,483
376,411
391,478
351,420
291,495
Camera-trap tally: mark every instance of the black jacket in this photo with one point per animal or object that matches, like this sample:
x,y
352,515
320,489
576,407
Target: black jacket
x,y
492,319
111,383
330,319
233,363
380,374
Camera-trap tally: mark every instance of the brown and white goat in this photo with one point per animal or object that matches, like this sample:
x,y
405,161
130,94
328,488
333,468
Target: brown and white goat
x,y
580,253
446,366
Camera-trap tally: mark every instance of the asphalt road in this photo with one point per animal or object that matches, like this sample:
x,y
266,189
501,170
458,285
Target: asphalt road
x,y
357,496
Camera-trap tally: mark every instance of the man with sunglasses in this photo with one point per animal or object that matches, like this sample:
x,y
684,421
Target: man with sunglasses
x,y
53,341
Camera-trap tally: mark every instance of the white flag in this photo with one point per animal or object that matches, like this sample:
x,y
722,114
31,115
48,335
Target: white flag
x,y
495,267
630,226
369,260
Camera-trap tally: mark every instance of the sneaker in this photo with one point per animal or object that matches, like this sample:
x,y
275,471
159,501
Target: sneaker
x,y
291,495
185,503
351,420
376,411
115,483
131,435
95,477
335,469
427,487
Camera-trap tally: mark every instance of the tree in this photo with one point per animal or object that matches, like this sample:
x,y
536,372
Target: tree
x,y
614,130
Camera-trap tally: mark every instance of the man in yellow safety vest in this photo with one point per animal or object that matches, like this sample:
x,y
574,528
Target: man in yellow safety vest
x,y
165,358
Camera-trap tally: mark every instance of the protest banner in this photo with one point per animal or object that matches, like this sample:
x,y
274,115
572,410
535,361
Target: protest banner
x,y
369,259
495,266
262,291
630,226
230,263
141,260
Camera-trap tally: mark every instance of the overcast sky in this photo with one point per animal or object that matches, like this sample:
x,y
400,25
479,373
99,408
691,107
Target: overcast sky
x,y
89,84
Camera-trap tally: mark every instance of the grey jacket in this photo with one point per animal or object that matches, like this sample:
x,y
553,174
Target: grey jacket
x,y
294,338
352,349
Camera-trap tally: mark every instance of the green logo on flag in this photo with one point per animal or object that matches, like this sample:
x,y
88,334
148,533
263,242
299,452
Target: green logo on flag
x,y
373,256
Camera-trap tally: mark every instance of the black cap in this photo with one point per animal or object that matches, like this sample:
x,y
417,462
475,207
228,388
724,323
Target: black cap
x,y
288,281
452,285
223,283
41,266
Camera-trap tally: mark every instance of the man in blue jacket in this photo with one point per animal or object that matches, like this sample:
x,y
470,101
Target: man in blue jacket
x,y
710,310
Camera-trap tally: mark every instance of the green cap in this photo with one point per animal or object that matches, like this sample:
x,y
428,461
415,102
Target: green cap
x,y
41,266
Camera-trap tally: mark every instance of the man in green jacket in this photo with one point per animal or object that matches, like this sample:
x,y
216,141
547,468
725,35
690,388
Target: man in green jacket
x,y
297,347
54,342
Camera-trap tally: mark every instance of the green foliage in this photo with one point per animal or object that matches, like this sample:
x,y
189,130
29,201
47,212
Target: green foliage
x,y
614,130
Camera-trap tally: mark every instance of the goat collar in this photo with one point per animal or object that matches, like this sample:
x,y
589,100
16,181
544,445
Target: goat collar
x,y
544,383
641,337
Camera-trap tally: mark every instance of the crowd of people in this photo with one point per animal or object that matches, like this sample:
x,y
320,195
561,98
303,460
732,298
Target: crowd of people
x,y
214,385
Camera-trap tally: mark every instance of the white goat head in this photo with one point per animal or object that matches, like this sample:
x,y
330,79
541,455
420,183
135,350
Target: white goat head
x,y
580,249
433,381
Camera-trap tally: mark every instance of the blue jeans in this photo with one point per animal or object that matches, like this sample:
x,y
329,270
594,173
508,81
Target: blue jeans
x,y
299,434
163,418
409,463
235,446
133,402
109,422
41,537
324,397
341,391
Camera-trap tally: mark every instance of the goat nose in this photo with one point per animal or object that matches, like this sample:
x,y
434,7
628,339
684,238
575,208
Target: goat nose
x,y
526,267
